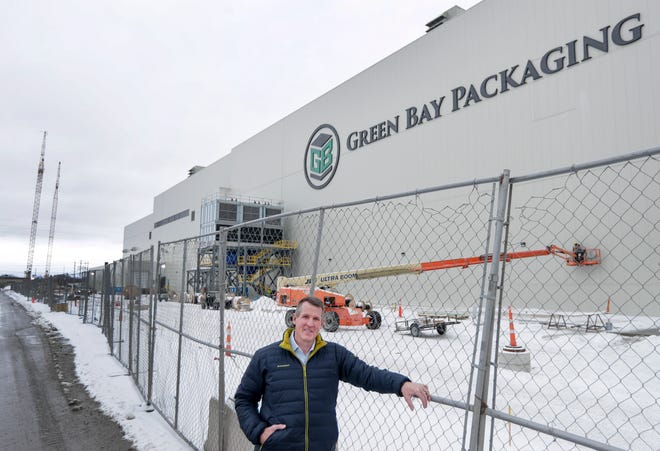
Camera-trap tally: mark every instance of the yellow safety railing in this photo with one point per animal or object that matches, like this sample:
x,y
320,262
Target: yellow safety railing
x,y
286,244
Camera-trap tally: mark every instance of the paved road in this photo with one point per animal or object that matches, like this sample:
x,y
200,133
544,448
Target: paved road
x,y
42,404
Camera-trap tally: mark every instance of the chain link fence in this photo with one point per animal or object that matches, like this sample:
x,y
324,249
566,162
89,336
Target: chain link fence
x,y
528,305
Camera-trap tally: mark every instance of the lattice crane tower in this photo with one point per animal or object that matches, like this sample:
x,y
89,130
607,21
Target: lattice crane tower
x,y
35,209
53,216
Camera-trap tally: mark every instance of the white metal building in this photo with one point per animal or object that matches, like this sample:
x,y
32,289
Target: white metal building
x,y
521,85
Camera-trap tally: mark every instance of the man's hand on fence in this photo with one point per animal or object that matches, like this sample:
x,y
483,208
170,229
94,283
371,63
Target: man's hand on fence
x,y
411,389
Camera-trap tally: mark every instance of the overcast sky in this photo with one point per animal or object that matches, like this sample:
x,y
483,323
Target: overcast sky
x,y
135,93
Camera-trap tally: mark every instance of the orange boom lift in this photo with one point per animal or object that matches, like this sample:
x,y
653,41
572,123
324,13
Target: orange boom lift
x,y
343,310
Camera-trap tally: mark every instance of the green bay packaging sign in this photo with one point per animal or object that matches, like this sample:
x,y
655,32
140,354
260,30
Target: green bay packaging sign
x,y
322,152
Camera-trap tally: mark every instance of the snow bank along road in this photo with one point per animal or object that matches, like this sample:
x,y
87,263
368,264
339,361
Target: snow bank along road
x,y
44,407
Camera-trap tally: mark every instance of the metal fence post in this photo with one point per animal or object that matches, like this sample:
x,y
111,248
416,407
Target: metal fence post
x,y
484,275
107,293
499,310
101,317
241,252
178,356
139,320
131,302
317,251
111,330
222,289
105,299
86,296
121,306
483,372
93,294
153,302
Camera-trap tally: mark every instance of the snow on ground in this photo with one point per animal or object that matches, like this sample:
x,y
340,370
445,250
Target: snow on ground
x,y
597,360
107,380
619,370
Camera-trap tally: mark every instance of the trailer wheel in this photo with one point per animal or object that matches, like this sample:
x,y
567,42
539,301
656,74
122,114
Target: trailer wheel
x,y
415,330
288,318
441,328
374,320
330,321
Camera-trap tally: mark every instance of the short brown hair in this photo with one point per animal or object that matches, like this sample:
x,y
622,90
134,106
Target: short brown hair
x,y
316,302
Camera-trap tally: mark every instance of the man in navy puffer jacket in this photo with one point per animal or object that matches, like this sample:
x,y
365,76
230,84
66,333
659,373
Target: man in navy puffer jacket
x,y
297,382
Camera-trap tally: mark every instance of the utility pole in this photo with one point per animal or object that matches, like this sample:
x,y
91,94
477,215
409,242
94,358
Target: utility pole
x,y
35,209
53,216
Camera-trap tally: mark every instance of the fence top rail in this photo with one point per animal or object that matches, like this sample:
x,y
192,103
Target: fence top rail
x,y
287,214
538,175
590,165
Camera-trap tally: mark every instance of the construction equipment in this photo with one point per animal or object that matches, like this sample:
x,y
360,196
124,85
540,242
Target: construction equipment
x,y
591,257
35,209
291,289
53,216
338,310
427,320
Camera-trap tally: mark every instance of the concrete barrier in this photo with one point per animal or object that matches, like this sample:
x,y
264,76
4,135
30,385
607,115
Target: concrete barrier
x,y
233,439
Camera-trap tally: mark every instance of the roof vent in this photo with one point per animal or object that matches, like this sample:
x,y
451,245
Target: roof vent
x,y
444,17
194,170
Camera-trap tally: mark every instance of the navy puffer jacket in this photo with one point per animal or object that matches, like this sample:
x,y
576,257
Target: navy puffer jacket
x,y
303,397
